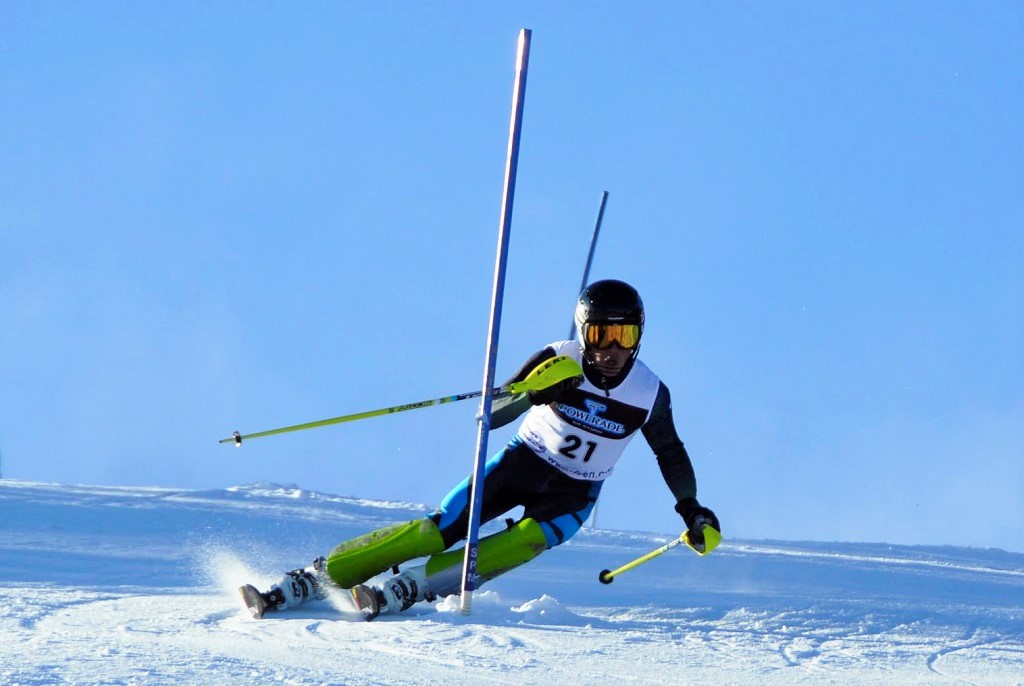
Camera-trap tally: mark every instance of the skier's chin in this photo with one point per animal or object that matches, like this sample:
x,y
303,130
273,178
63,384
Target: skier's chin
x,y
609,372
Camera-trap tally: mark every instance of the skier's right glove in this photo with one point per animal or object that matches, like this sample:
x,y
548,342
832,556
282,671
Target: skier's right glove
x,y
555,392
696,516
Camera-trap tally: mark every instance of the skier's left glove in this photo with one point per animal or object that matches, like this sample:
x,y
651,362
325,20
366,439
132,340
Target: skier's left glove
x,y
554,392
696,516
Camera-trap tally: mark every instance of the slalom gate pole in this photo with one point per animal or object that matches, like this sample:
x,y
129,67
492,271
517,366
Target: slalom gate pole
x,y
590,256
469,581
583,285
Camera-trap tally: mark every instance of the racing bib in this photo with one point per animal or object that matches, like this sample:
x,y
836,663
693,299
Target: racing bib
x,y
585,433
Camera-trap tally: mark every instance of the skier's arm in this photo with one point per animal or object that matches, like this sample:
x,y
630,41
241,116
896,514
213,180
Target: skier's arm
x,y
676,468
660,432
507,410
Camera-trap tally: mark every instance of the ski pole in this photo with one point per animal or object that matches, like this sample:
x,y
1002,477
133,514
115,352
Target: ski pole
x,y
546,374
608,575
711,540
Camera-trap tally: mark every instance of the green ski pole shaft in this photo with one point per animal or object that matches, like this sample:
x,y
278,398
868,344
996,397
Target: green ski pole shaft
x,y
237,437
546,374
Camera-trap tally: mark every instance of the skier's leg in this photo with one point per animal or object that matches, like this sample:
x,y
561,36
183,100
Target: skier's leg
x,y
558,514
349,564
556,506
497,554
451,519
499,495
562,510
355,561
294,589
442,574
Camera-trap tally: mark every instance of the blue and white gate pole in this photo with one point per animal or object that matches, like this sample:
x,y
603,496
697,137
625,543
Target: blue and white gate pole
x,y
484,419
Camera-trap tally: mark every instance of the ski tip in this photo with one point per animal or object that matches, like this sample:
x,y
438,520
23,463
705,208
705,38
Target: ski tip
x,y
253,600
366,601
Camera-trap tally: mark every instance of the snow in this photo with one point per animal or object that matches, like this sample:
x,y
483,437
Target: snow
x,y
107,585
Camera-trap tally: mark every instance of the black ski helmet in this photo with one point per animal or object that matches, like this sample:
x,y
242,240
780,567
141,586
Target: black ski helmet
x,y
609,302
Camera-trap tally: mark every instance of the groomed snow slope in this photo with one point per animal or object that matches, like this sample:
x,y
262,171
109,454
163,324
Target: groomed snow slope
x,y
137,586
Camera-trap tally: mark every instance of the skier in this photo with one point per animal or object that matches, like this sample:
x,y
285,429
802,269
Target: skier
x,y
567,445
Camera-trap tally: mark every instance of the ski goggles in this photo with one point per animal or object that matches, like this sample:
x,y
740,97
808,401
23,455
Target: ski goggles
x,y
601,336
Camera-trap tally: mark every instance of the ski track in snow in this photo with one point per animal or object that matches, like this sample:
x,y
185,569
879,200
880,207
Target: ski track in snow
x,y
109,585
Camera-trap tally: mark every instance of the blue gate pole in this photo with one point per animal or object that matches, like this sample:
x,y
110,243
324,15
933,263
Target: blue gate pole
x,y
469,577
590,257
583,285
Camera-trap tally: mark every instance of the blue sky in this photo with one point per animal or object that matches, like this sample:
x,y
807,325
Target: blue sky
x,y
243,216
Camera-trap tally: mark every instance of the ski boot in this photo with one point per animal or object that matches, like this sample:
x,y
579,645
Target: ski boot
x,y
297,587
399,593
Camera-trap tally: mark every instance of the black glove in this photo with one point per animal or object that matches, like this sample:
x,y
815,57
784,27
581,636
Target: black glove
x,y
696,516
554,392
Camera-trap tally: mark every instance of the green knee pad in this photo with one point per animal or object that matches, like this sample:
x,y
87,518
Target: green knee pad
x,y
355,561
498,553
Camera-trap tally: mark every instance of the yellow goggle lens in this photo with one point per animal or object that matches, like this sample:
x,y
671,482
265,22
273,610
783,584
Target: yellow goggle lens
x,y
602,336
